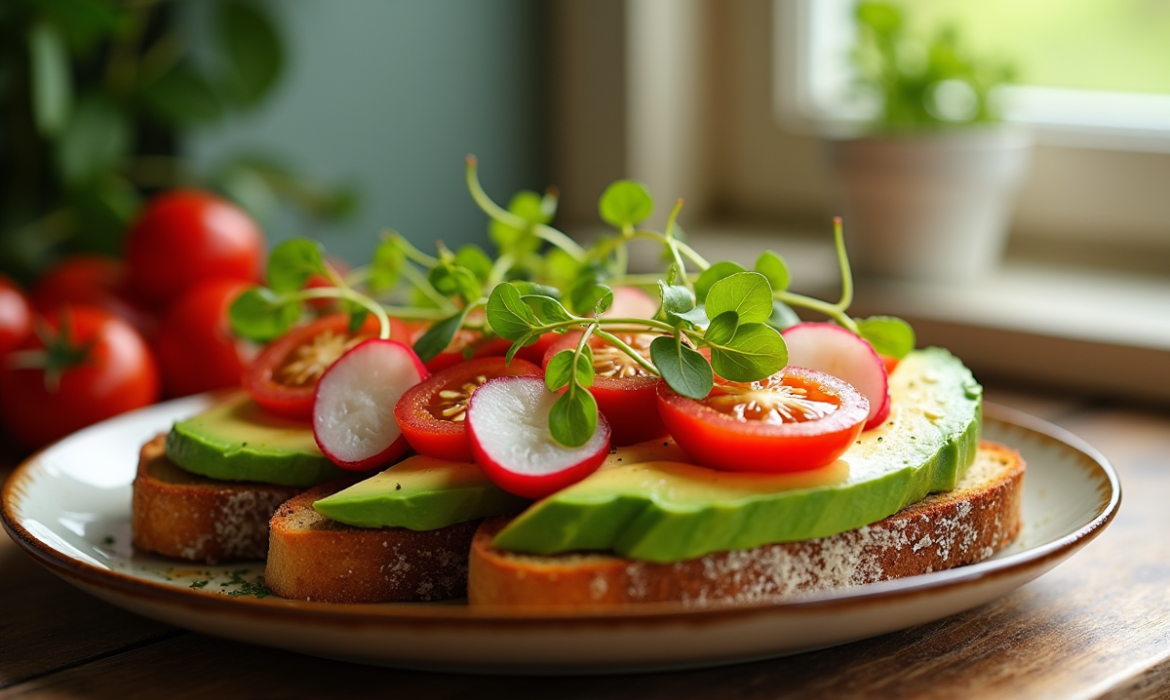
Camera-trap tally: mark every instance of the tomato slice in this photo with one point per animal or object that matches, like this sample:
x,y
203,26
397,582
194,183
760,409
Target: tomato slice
x,y
283,377
795,420
432,414
625,392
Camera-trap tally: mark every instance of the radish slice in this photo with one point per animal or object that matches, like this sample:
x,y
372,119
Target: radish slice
x,y
353,413
834,350
507,421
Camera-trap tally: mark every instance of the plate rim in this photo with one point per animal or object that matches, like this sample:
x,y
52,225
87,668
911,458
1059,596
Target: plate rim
x,y
396,615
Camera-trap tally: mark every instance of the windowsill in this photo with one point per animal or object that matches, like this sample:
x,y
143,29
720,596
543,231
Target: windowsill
x,y
1087,332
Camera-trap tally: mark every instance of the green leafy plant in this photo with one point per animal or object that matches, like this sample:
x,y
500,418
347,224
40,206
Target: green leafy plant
x,y
95,94
922,83
541,281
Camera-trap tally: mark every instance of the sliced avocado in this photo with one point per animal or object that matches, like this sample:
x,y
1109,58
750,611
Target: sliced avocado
x,y
670,511
425,493
237,440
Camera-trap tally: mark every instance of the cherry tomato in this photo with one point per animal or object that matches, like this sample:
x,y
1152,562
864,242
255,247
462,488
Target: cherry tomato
x,y
15,315
432,413
625,392
186,236
795,420
99,367
283,377
196,350
96,281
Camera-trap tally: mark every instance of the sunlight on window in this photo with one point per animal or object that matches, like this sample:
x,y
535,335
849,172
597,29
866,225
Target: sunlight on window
x,y
1087,72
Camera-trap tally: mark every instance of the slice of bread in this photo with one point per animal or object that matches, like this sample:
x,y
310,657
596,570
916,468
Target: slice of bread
x,y
311,557
969,524
191,517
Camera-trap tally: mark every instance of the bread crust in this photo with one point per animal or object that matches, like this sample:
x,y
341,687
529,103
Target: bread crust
x,y
191,517
311,557
979,517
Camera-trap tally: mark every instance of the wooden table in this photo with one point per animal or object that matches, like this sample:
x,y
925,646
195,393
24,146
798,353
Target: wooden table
x,y
1097,626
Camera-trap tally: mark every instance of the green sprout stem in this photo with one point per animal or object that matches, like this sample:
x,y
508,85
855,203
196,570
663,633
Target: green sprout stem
x,y
560,240
495,211
837,311
582,342
420,281
634,354
413,253
348,295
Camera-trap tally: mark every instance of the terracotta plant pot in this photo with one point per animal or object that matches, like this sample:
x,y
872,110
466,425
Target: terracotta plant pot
x,y
929,206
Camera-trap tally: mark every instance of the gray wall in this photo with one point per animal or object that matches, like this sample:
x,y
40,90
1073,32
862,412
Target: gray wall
x,y
393,94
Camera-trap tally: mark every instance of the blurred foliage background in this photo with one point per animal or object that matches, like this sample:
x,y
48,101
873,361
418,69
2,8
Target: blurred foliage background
x,y
308,116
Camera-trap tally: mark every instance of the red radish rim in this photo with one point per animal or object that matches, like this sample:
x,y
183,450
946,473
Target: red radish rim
x,y
874,386
325,407
494,445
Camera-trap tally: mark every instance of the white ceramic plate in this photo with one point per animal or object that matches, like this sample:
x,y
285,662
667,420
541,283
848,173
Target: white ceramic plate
x,y
69,507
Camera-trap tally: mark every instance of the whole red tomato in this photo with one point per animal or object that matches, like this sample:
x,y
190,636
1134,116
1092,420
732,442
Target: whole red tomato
x,y
84,365
186,236
196,350
15,315
93,280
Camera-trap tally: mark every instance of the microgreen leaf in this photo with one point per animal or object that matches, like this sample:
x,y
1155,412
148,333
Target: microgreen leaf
x,y
590,298
772,266
451,280
888,335
525,288
473,258
508,315
439,336
684,369
386,265
357,315
713,274
561,370
573,418
697,317
756,351
722,328
527,205
260,314
561,268
292,263
519,345
676,299
782,316
625,203
746,293
547,309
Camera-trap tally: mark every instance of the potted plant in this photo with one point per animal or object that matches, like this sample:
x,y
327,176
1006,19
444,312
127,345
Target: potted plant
x,y
927,188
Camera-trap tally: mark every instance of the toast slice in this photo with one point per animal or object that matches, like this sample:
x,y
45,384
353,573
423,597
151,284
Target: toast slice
x,y
969,524
311,557
192,517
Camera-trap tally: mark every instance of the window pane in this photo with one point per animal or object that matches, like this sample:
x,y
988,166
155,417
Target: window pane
x,y
1119,45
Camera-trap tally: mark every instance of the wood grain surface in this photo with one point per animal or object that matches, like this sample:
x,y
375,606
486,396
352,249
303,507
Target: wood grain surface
x,y
1095,627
